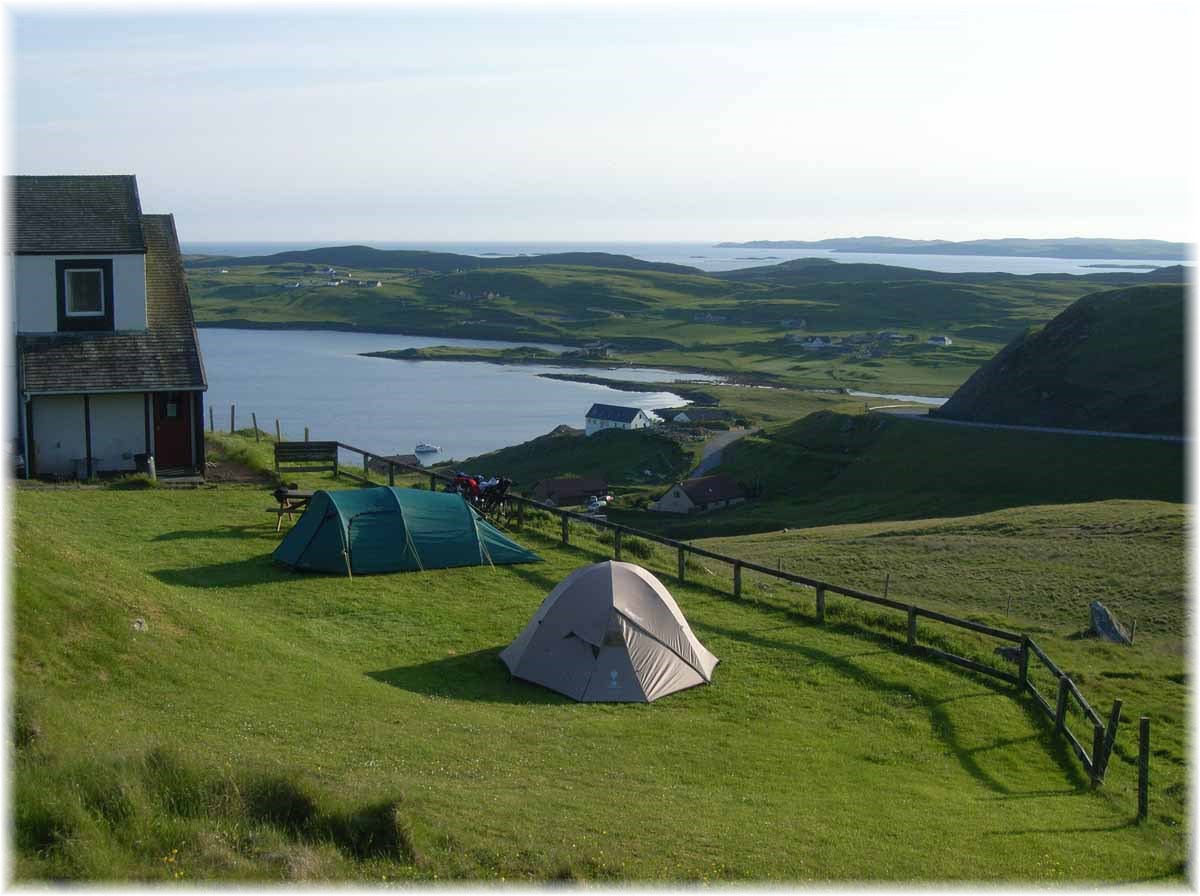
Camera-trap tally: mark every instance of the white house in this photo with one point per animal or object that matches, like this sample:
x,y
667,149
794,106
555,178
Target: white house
x,y
938,340
611,416
108,362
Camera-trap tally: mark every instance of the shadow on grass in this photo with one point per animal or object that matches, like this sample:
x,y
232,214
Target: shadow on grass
x,y
252,531
942,725
478,677
234,574
1107,829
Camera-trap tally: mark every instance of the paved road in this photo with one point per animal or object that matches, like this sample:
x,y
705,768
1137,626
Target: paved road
x,y
916,414
711,458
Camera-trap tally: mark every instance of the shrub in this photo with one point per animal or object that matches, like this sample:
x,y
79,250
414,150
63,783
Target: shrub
x,y
134,481
637,547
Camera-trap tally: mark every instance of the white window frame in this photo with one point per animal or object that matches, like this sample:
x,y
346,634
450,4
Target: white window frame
x,y
67,292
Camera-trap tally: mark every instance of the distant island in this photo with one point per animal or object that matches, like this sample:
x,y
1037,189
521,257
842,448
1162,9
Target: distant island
x,y
1074,247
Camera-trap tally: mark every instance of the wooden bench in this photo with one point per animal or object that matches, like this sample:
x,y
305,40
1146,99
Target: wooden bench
x,y
290,501
323,453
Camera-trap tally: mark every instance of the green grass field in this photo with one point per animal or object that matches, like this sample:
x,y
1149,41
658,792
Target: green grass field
x,y
189,711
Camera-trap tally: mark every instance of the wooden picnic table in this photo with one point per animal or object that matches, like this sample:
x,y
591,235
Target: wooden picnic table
x,y
290,501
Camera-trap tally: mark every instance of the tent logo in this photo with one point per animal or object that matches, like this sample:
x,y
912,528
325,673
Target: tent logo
x,y
612,679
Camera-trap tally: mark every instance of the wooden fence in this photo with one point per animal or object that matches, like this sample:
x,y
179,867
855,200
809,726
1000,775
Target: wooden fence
x,y
1067,693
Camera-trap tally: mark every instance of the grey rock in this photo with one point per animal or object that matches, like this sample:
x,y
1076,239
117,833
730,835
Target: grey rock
x,y
1106,626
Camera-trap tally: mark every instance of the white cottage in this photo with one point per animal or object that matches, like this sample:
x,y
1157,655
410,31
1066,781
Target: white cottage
x,y
108,361
611,416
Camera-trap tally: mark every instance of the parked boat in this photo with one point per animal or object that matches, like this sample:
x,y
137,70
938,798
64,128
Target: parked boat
x,y
426,448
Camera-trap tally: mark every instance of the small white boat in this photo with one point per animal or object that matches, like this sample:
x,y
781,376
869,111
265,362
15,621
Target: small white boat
x,y
426,448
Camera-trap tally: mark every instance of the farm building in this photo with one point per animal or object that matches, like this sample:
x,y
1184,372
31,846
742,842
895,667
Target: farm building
x,y
611,416
816,342
938,340
108,364
568,491
700,495
703,415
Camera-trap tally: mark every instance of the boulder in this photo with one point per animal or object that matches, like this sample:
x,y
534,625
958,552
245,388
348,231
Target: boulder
x,y
1106,626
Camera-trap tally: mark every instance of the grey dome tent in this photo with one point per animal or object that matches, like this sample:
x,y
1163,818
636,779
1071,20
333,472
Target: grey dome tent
x,y
388,529
610,632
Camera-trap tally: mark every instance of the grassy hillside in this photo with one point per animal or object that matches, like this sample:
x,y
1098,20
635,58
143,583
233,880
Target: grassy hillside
x,y
617,456
1112,361
1035,569
735,323
838,468
366,257
186,710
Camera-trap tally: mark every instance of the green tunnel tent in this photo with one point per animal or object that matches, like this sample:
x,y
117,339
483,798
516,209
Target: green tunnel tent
x,y
388,529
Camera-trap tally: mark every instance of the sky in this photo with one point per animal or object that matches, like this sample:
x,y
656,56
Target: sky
x,y
577,122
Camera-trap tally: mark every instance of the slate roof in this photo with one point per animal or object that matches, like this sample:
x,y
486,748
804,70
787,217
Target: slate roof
x,y
78,215
165,357
707,489
613,412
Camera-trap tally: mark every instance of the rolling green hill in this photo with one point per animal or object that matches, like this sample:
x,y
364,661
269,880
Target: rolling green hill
x,y
366,257
617,456
1112,361
742,323
829,468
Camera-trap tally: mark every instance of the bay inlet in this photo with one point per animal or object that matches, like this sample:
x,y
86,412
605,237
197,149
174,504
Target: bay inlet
x,y
319,379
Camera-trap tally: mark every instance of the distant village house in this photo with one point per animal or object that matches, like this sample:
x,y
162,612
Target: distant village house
x,y
938,340
700,495
610,416
703,415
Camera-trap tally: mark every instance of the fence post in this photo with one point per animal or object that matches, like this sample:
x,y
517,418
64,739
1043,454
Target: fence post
x,y
306,433
521,513
254,420
1110,736
682,564
1060,709
432,483
1143,768
1023,664
278,437
566,529
820,603
231,409
1097,755
737,580
616,544
366,466
912,626
391,473
212,426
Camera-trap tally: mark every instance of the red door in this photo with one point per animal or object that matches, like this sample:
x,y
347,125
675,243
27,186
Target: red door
x,y
172,429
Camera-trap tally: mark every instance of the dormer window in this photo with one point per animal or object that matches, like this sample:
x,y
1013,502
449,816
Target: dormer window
x,y
85,294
